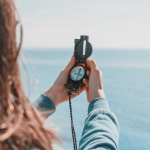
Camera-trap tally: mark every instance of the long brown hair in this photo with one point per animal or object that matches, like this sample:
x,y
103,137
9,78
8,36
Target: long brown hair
x,y
20,126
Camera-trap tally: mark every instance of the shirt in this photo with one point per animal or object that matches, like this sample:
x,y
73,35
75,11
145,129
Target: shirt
x,y
101,127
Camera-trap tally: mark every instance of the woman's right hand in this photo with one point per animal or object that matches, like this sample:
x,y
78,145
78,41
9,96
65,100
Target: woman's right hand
x,y
94,86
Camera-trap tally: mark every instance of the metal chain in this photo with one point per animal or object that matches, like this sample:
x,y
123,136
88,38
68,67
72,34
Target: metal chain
x,y
72,125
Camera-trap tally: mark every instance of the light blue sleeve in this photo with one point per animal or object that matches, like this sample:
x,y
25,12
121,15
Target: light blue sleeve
x,y
101,128
44,105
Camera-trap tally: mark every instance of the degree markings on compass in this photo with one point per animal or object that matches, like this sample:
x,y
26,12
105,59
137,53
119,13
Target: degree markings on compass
x,y
77,73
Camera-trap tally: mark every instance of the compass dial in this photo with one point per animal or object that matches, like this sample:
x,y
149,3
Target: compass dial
x,y
77,73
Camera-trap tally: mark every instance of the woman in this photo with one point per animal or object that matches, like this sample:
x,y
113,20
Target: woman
x,y
20,126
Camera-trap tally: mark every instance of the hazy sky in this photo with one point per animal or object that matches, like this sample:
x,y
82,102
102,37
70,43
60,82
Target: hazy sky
x,y
109,23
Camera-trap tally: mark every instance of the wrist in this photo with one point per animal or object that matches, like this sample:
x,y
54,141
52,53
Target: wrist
x,y
96,94
53,95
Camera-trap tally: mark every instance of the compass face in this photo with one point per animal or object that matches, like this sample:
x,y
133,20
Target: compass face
x,y
77,73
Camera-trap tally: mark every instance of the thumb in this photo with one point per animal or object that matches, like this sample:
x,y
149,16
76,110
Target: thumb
x,y
92,64
70,64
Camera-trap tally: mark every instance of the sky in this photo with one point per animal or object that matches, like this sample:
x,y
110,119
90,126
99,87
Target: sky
x,y
116,24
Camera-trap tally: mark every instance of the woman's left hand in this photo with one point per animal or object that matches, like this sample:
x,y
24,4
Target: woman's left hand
x,y
57,92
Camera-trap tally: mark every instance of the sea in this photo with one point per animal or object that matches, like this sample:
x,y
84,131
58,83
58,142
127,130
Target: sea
x,y
126,79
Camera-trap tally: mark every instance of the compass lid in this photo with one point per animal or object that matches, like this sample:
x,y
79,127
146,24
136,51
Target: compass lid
x,y
83,49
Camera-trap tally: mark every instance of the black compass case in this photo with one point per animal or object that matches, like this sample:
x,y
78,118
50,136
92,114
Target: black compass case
x,y
80,61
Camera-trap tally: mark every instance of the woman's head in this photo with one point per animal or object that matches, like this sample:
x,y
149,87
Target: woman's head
x,y
20,126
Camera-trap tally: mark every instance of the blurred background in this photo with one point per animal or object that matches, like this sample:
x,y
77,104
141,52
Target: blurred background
x,y
119,32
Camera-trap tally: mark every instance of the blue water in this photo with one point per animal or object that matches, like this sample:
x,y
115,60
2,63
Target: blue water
x,y
126,76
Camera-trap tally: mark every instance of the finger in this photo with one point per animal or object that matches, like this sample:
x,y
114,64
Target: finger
x,y
101,80
86,83
92,64
88,65
82,88
88,73
70,64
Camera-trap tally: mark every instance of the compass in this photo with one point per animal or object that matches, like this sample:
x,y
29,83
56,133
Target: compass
x,y
82,50
77,73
